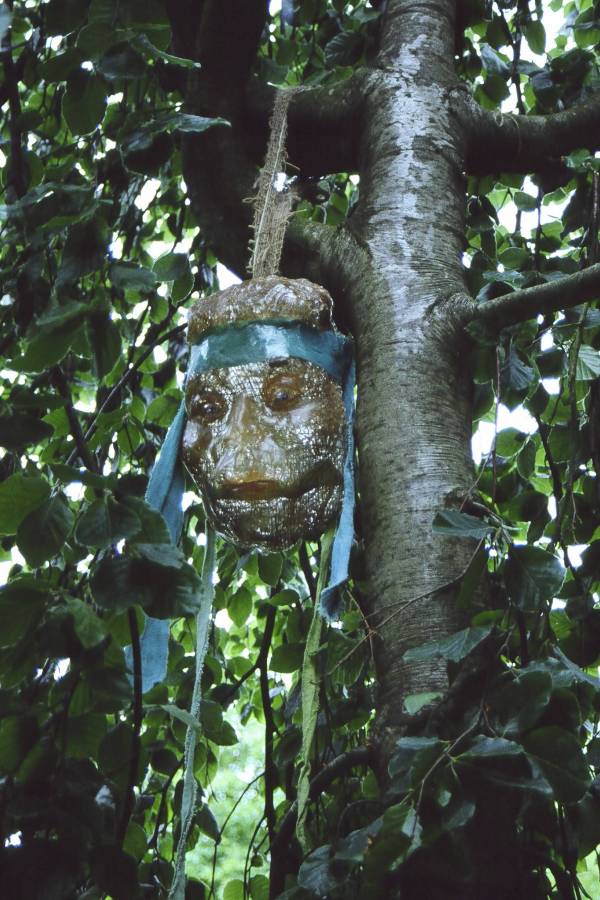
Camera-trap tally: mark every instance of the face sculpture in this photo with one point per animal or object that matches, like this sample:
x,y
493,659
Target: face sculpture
x,y
265,443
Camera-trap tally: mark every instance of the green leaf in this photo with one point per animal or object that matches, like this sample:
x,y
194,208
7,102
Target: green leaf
x,y
560,757
453,648
588,364
214,727
84,252
286,658
84,734
94,39
136,841
131,277
22,602
121,62
414,702
182,287
415,754
105,340
518,701
17,736
239,606
146,45
20,430
89,628
509,441
42,534
514,257
269,567
181,714
535,35
286,597
84,102
105,522
525,202
234,890
20,495
208,824
171,266
317,874
459,524
532,576
485,747
494,63
160,582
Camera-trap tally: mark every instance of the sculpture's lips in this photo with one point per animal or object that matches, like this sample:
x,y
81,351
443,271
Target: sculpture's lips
x,y
254,490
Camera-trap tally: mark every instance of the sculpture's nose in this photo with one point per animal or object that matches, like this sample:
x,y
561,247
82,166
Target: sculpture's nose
x,y
248,452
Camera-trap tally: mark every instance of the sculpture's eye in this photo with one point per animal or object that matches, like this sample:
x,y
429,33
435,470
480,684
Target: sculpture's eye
x,y
282,391
208,406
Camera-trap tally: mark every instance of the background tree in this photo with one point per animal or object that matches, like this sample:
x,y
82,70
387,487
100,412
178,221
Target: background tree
x,y
456,742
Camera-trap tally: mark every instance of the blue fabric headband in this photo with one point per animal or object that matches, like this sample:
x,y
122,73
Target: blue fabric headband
x,y
234,345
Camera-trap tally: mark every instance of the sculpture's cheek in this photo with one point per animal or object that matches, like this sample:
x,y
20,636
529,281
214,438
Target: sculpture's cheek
x,y
197,439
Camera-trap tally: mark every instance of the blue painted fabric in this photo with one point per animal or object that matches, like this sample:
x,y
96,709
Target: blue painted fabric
x,y
235,345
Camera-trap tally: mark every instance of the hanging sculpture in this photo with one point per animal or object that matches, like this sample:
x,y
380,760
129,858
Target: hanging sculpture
x,y
265,439
265,431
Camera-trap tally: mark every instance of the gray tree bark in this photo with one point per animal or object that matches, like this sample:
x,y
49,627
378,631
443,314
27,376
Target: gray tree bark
x,y
413,416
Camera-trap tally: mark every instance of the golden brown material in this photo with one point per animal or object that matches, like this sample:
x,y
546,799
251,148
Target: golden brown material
x,y
265,442
271,298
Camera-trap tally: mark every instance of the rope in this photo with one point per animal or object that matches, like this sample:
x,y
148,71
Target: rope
x,y
272,208
188,797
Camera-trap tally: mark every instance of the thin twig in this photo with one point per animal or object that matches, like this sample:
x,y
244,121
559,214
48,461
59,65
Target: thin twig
x,y
85,454
137,727
126,377
307,571
270,728
224,826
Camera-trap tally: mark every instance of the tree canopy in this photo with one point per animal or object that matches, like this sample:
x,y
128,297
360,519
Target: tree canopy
x,y
105,246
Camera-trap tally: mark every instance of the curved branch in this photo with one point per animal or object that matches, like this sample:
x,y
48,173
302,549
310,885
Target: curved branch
x,y
528,143
345,762
519,306
333,257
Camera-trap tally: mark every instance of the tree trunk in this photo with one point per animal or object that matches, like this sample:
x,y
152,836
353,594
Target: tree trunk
x,y
413,413
392,271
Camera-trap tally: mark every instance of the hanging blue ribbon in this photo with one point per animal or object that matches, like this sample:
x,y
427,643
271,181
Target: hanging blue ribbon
x,y
234,345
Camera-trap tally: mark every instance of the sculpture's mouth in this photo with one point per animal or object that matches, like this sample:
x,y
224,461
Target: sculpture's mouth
x,y
265,489
323,475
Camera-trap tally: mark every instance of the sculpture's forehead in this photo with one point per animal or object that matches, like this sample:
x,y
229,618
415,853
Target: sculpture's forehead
x,y
235,377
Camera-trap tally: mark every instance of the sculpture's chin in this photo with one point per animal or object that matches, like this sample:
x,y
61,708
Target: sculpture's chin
x,y
276,523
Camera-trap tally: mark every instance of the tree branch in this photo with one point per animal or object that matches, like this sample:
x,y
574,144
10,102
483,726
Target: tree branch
x,y
359,756
333,257
527,143
12,74
220,164
134,759
85,454
519,306
324,125
217,169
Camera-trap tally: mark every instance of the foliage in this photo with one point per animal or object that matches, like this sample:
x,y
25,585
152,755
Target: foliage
x,y
100,258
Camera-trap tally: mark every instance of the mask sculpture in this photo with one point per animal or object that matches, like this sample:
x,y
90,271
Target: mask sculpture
x,y
266,439
265,430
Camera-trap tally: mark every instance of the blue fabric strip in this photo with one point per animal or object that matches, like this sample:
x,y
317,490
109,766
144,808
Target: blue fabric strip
x,y
256,342
342,543
233,346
